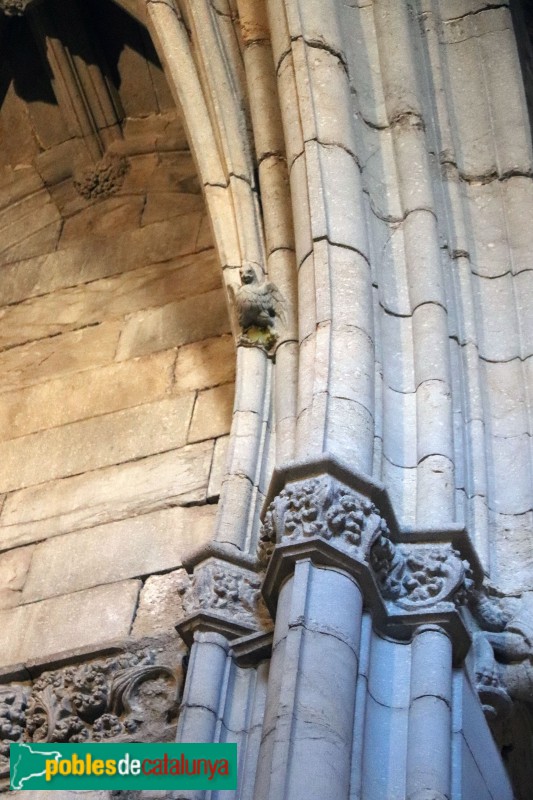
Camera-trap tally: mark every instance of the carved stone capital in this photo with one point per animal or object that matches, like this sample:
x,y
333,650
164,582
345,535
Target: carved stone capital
x,y
16,8
321,507
420,575
223,597
407,581
131,696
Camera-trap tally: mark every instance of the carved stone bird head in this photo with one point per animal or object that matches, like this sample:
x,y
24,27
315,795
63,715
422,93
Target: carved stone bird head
x,y
247,274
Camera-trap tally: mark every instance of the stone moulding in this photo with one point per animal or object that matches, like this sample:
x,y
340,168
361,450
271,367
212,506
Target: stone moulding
x,y
322,511
222,597
126,697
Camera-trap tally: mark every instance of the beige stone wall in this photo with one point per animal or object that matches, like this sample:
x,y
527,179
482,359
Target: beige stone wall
x,y
116,391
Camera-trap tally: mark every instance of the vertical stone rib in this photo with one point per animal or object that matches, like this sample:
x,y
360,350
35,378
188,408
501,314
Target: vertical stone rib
x,y
336,372
277,214
435,470
430,731
468,377
211,100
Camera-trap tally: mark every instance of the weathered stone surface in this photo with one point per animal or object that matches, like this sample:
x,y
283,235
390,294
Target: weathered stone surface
x,y
71,266
513,550
506,397
160,604
82,619
133,547
14,567
75,448
174,324
174,478
35,243
111,297
49,358
212,413
101,219
168,205
25,223
86,394
204,364
218,467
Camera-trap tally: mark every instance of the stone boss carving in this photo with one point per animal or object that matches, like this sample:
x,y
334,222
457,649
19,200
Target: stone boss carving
x,y
102,179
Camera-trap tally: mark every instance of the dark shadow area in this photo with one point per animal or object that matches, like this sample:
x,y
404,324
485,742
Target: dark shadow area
x,y
97,32
22,64
522,15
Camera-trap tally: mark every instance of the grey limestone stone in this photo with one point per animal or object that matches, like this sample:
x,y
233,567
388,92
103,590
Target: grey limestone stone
x,y
82,619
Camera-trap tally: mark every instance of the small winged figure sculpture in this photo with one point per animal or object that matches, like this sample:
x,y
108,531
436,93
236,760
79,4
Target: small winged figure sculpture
x,y
259,306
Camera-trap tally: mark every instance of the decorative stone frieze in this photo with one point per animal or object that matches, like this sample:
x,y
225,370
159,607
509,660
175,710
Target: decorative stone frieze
x,y
16,8
102,179
260,307
13,707
127,697
223,597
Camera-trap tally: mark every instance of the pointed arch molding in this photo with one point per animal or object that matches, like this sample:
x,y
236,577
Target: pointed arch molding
x,y
202,52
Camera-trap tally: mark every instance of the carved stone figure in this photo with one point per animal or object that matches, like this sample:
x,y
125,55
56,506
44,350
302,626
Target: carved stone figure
x,y
503,649
259,306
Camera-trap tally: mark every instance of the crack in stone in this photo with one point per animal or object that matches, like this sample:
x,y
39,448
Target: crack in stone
x,y
488,7
317,45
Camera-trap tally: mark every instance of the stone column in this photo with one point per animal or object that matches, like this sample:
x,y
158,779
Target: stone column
x,y
332,544
430,735
222,602
321,527
307,731
205,680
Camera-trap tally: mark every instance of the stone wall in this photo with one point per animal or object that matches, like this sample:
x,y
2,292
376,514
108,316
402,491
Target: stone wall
x,y
116,391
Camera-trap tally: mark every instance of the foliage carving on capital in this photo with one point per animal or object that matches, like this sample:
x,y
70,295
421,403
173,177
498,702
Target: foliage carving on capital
x,y
223,589
320,507
420,575
121,698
